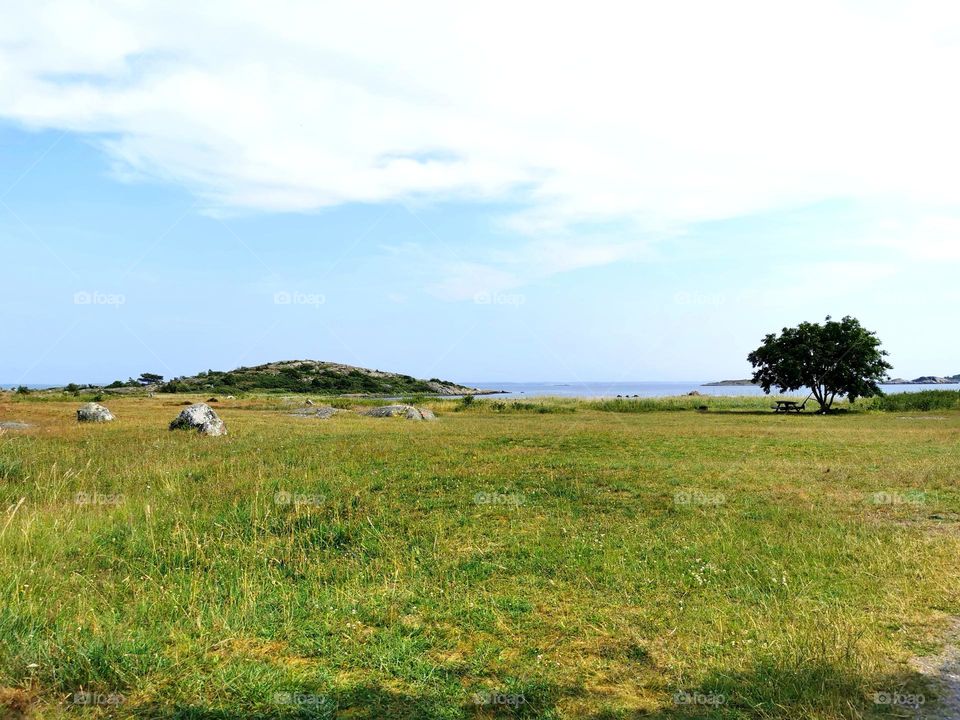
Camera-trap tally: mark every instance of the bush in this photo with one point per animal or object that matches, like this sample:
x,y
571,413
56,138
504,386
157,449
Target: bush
x,y
23,390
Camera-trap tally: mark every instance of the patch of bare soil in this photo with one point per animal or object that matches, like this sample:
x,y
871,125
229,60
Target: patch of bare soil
x,y
943,670
14,702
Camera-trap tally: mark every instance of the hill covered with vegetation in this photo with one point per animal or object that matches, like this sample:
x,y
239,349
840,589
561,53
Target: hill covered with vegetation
x,y
311,376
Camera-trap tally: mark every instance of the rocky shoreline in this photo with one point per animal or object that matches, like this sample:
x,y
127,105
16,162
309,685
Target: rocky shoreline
x,y
729,383
922,380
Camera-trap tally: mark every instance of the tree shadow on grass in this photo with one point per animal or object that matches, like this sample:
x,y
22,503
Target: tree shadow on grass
x,y
373,702
772,414
771,691
778,692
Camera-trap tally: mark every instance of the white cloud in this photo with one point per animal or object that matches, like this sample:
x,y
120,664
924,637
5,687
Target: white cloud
x,y
463,273
652,116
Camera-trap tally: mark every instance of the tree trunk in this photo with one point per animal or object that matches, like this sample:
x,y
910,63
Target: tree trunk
x,y
819,396
827,402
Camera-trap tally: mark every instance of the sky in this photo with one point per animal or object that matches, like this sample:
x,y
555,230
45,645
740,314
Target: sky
x,y
603,191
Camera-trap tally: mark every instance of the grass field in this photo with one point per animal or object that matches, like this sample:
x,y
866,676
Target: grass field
x,y
557,559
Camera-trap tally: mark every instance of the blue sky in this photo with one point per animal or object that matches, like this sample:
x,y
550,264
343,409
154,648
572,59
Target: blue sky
x,y
521,212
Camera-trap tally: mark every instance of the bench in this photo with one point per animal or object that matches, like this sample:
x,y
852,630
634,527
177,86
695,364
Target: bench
x,y
787,406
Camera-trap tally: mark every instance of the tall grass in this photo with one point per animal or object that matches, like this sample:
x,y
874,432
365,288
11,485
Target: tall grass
x,y
682,402
547,405
923,401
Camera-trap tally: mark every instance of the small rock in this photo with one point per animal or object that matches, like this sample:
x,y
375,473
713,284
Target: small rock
x,y
199,417
694,393
324,413
413,414
212,400
13,425
308,401
427,414
93,412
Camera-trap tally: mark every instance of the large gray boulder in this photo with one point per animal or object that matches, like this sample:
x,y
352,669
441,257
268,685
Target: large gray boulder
x,y
408,411
93,412
199,417
387,411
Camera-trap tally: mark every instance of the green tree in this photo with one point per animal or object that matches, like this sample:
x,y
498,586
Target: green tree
x,y
150,379
835,358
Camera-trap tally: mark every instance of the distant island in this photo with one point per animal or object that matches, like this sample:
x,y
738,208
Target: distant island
x,y
728,383
922,380
293,376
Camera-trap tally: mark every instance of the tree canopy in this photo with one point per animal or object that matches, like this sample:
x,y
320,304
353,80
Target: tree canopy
x,y
835,358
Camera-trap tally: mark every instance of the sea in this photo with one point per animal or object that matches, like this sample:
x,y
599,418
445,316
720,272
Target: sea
x,y
650,389
640,388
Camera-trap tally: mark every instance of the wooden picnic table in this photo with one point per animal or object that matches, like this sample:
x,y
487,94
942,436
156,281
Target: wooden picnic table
x,y
785,406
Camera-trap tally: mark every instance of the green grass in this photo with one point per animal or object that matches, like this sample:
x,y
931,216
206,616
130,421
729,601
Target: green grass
x,y
584,560
549,405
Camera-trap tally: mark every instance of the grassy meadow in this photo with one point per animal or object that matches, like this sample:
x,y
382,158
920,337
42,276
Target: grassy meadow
x,y
548,559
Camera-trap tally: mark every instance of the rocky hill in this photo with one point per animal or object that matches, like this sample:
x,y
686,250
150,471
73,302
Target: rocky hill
x,y
729,383
313,376
924,380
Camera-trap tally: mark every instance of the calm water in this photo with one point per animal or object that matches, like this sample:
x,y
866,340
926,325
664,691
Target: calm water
x,y
640,388
650,389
